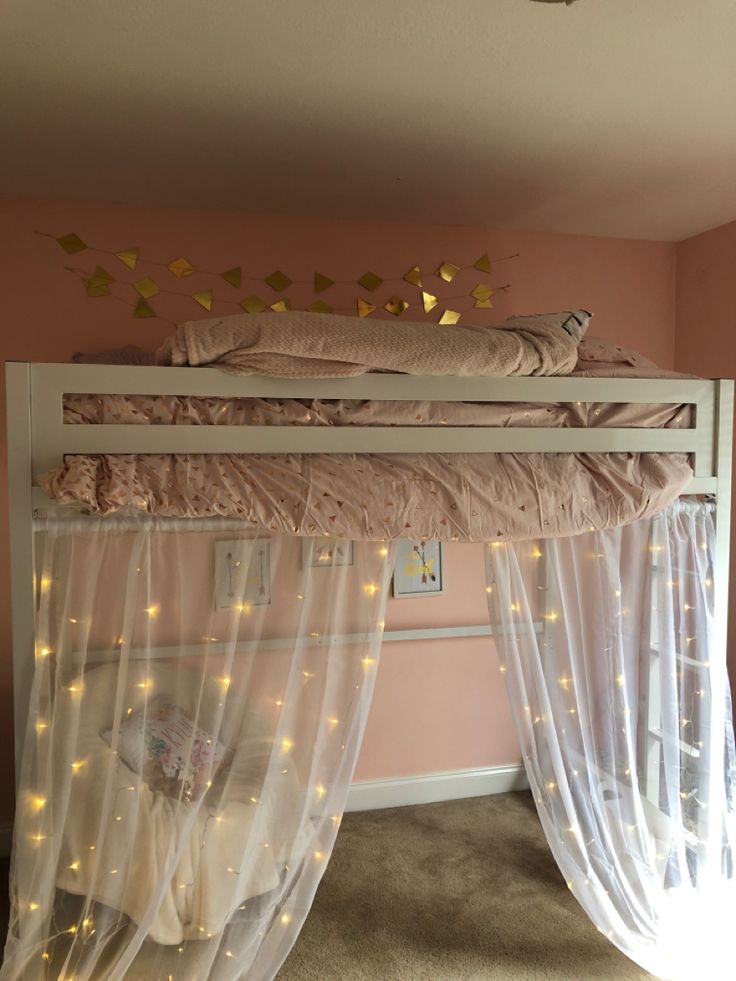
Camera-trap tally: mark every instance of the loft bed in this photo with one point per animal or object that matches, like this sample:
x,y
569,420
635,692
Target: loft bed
x,y
39,439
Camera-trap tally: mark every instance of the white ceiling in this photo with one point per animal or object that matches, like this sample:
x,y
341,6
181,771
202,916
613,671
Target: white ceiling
x,y
607,117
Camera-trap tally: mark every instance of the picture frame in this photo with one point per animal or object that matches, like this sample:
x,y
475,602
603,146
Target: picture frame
x,y
321,552
418,570
242,573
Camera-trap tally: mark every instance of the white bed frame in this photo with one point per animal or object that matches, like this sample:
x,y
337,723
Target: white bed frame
x,y
38,439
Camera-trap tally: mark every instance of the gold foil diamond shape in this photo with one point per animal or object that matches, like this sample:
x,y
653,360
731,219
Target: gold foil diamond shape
x,y
449,317
482,292
95,288
364,308
483,264
322,283
395,305
71,243
129,257
147,287
233,276
319,306
253,304
483,304
448,271
414,276
101,275
429,301
143,309
203,298
278,281
181,267
369,281
280,306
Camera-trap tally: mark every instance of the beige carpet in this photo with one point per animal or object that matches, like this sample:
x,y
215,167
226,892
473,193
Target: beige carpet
x,y
460,891
463,891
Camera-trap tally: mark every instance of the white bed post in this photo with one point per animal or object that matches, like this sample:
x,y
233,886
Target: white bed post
x,y
723,450
20,508
723,463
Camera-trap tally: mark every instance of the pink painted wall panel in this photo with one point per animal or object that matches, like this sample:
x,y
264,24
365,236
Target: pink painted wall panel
x,y
438,705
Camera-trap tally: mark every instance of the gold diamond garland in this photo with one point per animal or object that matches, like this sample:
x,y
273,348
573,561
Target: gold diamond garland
x,y
204,298
369,281
233,276
429,301
395,305
129,257
253,304
320,307
449,317
414,276
181,267
147,287
448,271
98,284
96,289
143,309
278,281
71,244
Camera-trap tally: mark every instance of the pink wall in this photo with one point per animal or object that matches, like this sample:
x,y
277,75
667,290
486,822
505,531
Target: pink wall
x,y
438,705
705,340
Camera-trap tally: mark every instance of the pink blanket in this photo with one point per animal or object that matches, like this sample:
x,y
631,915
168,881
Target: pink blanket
x,y
318,345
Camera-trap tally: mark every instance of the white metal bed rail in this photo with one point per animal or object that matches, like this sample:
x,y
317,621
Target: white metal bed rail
x,y
52,438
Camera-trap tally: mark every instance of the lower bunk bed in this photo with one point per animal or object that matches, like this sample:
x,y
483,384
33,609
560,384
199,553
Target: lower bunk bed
x,y
199,599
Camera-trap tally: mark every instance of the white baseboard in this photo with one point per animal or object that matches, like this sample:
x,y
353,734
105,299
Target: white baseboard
x,y
427,788
430,788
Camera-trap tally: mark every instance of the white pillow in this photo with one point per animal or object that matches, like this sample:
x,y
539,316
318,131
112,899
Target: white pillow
x,y
170,752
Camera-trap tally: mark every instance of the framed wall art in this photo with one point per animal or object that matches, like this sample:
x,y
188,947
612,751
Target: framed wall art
x,y
418,570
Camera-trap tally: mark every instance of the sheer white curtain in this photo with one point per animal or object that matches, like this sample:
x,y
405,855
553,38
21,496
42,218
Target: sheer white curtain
x,y
200,694
622,708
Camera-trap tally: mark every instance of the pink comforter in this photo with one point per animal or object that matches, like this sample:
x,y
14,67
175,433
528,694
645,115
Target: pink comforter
x,y
477,497
319,345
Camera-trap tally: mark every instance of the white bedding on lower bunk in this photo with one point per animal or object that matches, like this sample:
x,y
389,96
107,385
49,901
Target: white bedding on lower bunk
x,y
229,852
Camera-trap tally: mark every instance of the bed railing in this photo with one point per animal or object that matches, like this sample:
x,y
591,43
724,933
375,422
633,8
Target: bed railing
x,y
51,438
38,440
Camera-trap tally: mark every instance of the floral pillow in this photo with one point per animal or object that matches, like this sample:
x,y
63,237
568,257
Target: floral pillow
x,y
169,751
